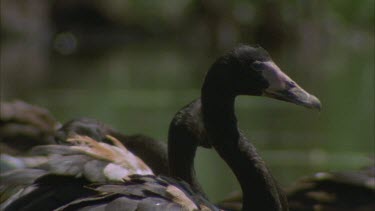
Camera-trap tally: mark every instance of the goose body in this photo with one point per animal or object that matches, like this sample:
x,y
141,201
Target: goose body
x,y
331,191
211,122
70,168
325,191
67,159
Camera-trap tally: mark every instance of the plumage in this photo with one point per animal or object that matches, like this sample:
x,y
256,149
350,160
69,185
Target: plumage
x,y
69,164
143,193
74,161
330,191
66,160
152,152
48,192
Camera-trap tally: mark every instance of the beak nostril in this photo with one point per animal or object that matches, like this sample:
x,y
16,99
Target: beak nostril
x,y
291,84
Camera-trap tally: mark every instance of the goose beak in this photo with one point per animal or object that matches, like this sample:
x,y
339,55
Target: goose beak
x,y
283,88
297,96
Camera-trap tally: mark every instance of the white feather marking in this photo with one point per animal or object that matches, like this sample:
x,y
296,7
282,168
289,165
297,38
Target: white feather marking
x,y
115,172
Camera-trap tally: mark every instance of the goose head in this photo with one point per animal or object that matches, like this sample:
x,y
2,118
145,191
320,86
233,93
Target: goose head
x,y
250,70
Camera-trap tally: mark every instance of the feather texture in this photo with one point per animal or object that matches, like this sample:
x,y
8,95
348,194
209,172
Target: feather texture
x,y
85,158
142,192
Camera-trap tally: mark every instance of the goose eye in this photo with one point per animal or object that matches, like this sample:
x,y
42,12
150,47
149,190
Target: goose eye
x,y
258,66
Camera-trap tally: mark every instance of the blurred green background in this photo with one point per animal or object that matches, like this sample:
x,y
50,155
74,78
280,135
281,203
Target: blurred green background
x,y
134,63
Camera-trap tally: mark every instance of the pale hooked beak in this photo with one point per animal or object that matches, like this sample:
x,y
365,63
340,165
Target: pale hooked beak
x,y
297,96
283,88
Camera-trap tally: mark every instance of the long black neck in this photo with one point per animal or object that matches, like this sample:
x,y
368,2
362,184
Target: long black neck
x,y
185,134
181,158
260,191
